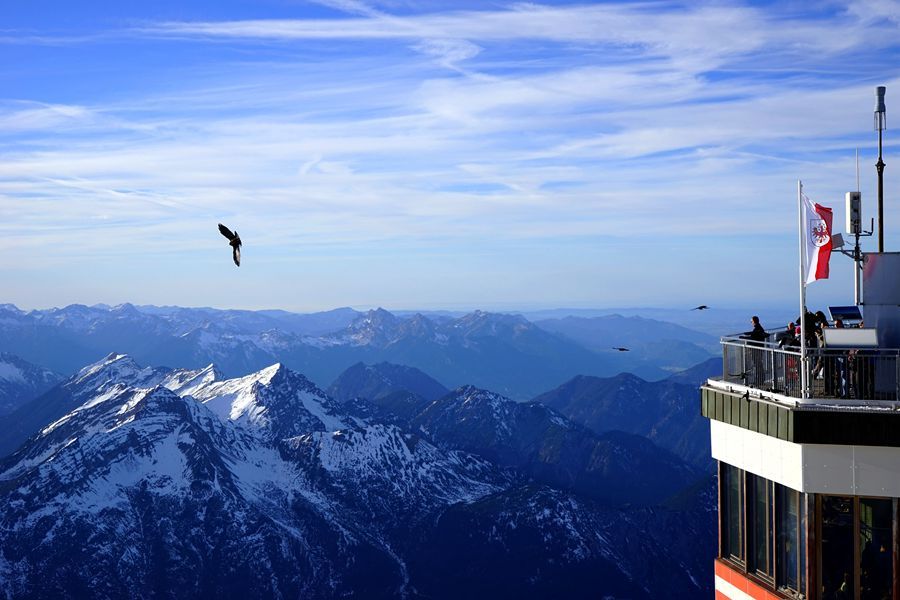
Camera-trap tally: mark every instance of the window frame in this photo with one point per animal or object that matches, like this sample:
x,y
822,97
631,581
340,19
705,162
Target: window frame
x,y
798,499
726,545
766,574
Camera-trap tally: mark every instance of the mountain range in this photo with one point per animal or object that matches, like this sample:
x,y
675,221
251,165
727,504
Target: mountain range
x,y
665,412
159,482
501,352
670,346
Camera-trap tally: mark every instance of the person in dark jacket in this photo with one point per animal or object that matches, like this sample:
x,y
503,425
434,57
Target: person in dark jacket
x,y
788,337
757,334
811,325
757,337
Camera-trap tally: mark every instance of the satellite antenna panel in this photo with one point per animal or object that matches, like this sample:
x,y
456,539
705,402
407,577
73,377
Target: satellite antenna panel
x,y
845,313
854,212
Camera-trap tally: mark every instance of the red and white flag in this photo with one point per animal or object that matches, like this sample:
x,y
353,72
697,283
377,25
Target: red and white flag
x,y
817,236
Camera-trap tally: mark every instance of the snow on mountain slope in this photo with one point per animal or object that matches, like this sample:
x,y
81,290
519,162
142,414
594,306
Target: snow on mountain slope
x,y
21,381
133,472
275,401
115,369
260,487
188,382
393,475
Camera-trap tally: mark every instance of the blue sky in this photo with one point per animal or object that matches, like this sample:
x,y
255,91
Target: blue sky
x,y
433,154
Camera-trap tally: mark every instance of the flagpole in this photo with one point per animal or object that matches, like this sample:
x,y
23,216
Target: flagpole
x,y
803,370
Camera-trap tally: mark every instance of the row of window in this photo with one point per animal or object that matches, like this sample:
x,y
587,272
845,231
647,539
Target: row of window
x,y
765,527
762,528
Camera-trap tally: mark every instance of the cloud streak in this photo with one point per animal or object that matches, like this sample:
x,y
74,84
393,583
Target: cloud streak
x,y
439,132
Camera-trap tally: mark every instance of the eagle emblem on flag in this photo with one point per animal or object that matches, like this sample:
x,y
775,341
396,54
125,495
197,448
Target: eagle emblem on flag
x,y
818,232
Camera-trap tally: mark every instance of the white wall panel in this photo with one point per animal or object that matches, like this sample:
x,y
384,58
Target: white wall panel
x,y
813,468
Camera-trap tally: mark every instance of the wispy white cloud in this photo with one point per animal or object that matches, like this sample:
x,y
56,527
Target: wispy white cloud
x,y
443,131
30,116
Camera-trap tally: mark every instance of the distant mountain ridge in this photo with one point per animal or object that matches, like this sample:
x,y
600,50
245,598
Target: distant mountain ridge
x,y
21,381
551,449
177,482
671,346
501,352
666,412
375,382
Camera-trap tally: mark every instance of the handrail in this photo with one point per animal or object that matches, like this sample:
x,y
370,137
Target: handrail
x,y
834,372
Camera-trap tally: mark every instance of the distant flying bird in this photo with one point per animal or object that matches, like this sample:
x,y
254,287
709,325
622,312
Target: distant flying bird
x,y
701,307
234,240
620,349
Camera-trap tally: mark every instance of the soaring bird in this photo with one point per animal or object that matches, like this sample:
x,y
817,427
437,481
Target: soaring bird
x,y
620,349
234,240
701,307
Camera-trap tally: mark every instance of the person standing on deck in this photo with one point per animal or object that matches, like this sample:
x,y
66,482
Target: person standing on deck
x,y
757,337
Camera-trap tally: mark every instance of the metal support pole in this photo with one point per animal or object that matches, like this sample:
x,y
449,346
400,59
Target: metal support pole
x,y
880,123
880,166
857,269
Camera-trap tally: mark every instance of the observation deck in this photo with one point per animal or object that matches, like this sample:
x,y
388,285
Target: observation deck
x,y
809,479
853,394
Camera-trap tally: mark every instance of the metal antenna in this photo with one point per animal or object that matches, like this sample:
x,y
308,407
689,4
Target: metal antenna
x,y
880,125
857,169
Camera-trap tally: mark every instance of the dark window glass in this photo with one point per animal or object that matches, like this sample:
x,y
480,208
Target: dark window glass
x,y
875,546
732,514
760,519
788,544
837,548
804,519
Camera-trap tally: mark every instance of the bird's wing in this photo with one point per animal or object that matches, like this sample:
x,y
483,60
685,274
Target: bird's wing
x,y
237,255
226,232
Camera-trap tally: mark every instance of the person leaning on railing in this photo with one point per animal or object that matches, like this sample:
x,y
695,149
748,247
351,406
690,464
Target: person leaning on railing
x,y
757,337
788,338
757,334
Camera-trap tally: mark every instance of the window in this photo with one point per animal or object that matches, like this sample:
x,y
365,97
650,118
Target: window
x,y
875,549
788,550
760,518
838,580
731,513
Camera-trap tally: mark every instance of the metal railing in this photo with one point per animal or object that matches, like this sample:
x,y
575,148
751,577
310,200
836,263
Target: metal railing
x,y
833,372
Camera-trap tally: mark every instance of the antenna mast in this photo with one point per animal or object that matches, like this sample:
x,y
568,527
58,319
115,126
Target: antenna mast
x,y
880,124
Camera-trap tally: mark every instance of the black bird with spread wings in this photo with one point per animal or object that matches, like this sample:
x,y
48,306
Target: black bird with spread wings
x,y
701,307
234,240
621,349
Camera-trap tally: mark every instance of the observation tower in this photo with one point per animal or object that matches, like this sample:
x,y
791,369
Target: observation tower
x,y
808,449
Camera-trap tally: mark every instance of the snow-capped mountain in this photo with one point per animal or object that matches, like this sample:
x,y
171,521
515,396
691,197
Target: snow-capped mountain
x,y
21,381
111,374
152,485
158,482
276,403
145,493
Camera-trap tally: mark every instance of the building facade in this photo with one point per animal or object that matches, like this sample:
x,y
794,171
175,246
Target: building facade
x,y
808,452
